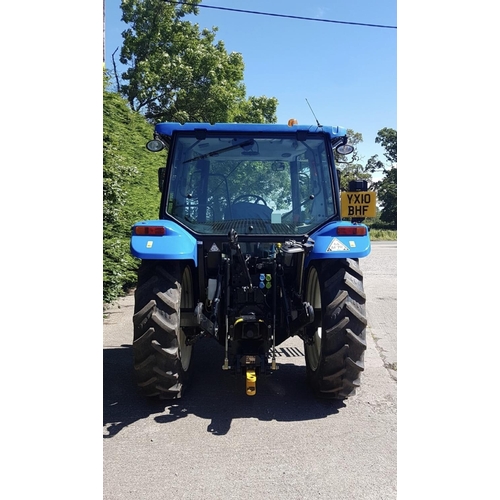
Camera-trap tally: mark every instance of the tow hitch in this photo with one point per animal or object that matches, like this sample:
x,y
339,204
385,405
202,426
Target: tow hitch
x,y
251,377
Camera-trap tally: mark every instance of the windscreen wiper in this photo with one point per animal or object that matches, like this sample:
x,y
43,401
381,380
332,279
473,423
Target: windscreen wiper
x,y
249,142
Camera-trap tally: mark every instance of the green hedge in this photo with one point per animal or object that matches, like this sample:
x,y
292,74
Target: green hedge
x,y
130,190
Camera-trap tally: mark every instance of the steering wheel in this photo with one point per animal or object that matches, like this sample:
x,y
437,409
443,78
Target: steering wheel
x,y
256,196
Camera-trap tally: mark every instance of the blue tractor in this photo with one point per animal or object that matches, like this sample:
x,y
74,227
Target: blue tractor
x,y
251,247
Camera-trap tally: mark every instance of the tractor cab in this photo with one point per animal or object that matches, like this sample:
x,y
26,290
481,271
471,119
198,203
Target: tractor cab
x,y
256,179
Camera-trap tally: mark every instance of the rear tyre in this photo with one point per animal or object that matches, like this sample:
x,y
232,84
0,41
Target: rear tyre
x,y
162,360
335,359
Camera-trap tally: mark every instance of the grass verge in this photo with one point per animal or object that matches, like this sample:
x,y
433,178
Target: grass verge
x,y
383,235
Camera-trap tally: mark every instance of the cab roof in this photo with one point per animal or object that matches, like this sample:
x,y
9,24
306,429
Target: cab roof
x,y
168,128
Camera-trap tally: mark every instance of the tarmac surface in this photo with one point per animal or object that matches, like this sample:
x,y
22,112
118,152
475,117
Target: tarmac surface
x,y
218,443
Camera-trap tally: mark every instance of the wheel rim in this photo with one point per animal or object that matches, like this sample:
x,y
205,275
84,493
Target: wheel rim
x,y
186,302
313,296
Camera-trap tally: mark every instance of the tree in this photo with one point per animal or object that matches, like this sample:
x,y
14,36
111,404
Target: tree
x,y
350,166
256,110
388,138
387,195
178,73
387,187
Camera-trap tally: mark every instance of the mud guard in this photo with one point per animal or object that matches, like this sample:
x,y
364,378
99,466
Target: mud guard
x,y
328,244
175,244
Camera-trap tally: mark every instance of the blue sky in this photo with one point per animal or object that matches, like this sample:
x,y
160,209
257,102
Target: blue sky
x,y
346,72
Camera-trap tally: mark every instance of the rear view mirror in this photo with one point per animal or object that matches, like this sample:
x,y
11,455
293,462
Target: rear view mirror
x,y
344,149
154,146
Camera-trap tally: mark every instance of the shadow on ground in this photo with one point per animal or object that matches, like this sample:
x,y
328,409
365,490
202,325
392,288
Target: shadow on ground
x,y
214,394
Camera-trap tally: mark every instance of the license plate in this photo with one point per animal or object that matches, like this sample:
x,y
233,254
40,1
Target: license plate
x,y
358,204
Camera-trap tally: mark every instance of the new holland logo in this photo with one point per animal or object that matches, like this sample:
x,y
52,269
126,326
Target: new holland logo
x,y
336,246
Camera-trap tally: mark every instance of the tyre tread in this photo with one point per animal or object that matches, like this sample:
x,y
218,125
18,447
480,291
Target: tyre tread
x,y
156,320
344,325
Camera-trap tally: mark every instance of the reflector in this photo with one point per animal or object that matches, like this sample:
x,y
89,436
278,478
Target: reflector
x,y
149,230
351,231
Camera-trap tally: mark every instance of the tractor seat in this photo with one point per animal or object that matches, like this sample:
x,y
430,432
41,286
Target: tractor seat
x,y
246,210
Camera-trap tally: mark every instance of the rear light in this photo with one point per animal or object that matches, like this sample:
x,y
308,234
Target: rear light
x,y
351,231
150,230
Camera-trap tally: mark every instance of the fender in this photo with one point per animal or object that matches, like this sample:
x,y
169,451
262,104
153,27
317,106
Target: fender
x,y
328,244
162,240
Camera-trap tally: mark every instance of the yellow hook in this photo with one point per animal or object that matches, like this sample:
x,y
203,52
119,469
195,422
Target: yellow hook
x,y
251,383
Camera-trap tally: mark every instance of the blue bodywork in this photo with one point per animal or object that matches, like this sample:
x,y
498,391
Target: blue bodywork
x,y
176,244
167,129
179,244
329,245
